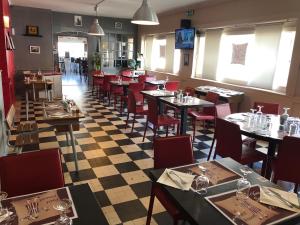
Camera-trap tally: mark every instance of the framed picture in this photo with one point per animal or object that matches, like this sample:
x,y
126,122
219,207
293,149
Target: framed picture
x,y
78,21
118,25
34,49
32,30
186,59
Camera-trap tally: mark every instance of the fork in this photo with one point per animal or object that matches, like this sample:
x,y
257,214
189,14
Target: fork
x,y
181,180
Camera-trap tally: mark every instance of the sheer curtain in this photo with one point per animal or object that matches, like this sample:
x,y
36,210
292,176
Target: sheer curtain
x,y
148,43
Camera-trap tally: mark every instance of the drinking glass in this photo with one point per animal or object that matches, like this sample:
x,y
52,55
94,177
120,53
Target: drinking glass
x,y
62,206
259,117
202,182
245,170
242,194
251,122
293,128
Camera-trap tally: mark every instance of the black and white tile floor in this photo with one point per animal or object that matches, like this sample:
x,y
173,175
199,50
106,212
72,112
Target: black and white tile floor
x,y
112,160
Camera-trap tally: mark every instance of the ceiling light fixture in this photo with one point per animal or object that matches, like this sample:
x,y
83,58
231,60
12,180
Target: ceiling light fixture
x,y
95,28
145,15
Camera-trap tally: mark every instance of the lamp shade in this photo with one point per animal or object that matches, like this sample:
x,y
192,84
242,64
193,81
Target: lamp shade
x,y
145,15
96,29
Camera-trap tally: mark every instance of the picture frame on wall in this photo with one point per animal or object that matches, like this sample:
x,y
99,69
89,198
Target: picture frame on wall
x,y
33,49
32,30
78,21
186,59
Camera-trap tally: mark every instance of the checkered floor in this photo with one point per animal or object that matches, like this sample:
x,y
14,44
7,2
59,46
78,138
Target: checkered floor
x,y
112,160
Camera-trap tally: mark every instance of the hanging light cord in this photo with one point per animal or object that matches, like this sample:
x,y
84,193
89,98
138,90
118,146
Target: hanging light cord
x,y
97,6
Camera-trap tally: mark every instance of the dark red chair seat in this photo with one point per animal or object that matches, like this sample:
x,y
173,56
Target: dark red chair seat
x,y
31,172
200,115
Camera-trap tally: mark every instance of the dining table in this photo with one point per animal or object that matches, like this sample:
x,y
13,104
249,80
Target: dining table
x,y
123,84
64,119
85,208
273,136
198,209
183,105
158,83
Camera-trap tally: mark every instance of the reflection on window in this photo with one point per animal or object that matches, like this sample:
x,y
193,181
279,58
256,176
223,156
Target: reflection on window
x,y
284,59
177,58
200,57
158,54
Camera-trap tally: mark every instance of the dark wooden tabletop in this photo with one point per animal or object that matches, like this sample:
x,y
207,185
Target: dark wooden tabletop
x,y
155,82
158,93
221,91
123,83
187,102
197,209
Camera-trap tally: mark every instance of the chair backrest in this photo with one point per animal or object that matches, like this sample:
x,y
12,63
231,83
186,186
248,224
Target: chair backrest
x,y
141,78
126,72
173,151
223,110
229,139
31,172
287,164
10,117
172,85
106,80
268,108
137,88
131,103
214,98
190,91
126,78
97,72
152,110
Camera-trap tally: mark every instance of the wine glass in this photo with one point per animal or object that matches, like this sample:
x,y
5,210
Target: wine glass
x,y
245,170
62,206
251,122
293,129
242,194
202,182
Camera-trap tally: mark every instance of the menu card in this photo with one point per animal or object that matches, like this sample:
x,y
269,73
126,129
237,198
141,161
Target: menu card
x,y
216,173
249,211
45,213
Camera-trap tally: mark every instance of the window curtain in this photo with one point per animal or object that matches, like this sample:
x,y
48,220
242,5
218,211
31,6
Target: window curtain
x,y
267,39
211,53
148,43
170,47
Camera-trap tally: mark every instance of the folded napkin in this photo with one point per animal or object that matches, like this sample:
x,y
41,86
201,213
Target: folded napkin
x,y
59,114
267,197
5,216
176,179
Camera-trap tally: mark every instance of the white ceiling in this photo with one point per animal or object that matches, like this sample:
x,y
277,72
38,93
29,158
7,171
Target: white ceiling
x,y
109,8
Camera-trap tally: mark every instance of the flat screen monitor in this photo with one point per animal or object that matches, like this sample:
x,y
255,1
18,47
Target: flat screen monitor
x,y
184,38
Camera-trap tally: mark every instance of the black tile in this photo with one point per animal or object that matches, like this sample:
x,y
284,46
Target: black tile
x,y
94,129
146,146
122,126
113,151
99,161
88,121
102,124
82,175
142,189
112,181
203,138
102,198
88,147
126,167
138,155
82,135
202,145
70,157
103,138
48,139
28,148
199,154
163,218
112,132
134,135
124,142
130,210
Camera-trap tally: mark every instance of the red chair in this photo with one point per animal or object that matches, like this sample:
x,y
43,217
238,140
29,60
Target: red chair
x,y
207,114
150,87
31,172
158,120
97,81
169,152
107,86
268,108
172,85
126,73
286,165
141,78
136,88
230,144
134,106
223,110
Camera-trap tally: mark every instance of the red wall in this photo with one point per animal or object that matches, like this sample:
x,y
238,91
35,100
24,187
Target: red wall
x,y
6,60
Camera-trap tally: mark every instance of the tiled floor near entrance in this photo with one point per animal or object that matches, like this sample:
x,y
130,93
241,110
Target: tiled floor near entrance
x,y
112,160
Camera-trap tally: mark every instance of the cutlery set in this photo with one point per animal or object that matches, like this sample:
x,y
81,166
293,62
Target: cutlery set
x,y
32,207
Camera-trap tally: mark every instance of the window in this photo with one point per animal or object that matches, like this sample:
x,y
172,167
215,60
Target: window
x,y
160,53
257,56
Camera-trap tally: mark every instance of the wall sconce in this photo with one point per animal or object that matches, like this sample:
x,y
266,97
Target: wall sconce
x,y
6,21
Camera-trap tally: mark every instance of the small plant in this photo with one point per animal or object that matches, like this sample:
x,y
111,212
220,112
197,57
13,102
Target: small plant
x,y
97,61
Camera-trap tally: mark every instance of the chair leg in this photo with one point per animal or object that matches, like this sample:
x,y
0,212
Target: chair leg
x,y
194,128
167,131
215,154
150,209
133,122
127,120
178,129
211,148
115,101
145,130
264,168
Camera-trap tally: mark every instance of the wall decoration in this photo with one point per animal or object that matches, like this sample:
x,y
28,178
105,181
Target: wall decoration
x,y
239,53
186,59
118,25
34,49
32,30
78,21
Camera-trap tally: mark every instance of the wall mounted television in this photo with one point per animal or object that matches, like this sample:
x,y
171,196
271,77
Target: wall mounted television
x,y
184,38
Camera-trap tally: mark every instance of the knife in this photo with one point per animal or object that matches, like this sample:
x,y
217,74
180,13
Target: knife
x,y
178,183
285,201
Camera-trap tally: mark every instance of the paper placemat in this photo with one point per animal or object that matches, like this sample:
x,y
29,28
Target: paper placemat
x,y
217,173
45,200
252,212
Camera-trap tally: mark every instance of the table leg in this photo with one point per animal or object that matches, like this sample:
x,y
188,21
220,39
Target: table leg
x,y
271,153
33,89
46,92
27,104
183,122
73,147
160,107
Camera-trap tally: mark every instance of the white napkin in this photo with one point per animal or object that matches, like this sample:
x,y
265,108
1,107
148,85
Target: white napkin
x,y
59,114
272,199
176,179
5,216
